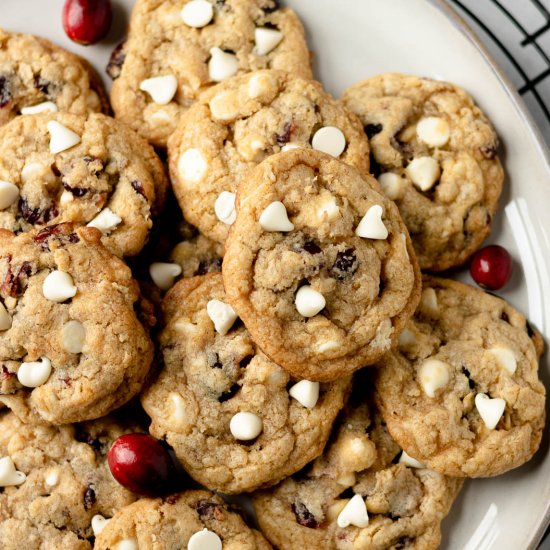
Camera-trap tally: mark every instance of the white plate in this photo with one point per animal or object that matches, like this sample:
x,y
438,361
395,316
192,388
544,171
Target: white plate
x,y
354,39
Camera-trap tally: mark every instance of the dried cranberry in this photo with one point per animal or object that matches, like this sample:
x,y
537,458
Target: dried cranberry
x,y
489,151
76,191
6,374
42,84
312,248
214,361
303,516
12,285
89,497
138,188
271,6
372,129
284,138
36,216
118,56
209,510
229,394
245,361
5,91
172,499
345,264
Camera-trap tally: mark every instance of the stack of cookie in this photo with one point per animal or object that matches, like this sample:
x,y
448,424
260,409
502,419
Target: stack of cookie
x,y
283,254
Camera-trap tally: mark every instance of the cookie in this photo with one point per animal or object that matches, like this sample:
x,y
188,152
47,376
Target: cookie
x,y
66,168
198,255
239,123
236,420
461,393
171,56
36,76
195,520
319,265
71,345
58,482
435,155
361,493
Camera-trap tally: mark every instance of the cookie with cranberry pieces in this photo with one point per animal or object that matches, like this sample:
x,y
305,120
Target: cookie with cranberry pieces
x,y
236,420
72,347
319,265
436,155
176,49
461,392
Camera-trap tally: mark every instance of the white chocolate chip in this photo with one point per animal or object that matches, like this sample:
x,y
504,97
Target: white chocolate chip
x,y
433,375
329,209
204,540
178,409
35,373
261,84
58,286
306,393
52,479
5,318
37,170
224,207
408,460
192,165
406,338
250,146
266,40
309,302
433,131
290,147
8,194
61,138
490,410
275,218
73,336
428,301
504,357
164,273
347,480
392,184
246,426
225,105
354,513
222,315
45,107
9,476
105,221
371,225
328,345
66,198
330,140
160,116
98,524
162,89
222,65
127,544
197,13
424,172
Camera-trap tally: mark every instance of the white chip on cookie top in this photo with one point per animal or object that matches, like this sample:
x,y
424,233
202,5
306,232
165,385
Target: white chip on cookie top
x,y
9,193
434,131
354,513
423,172
106,221
222,65
52,479
306,393
61,138
197,13
5,318
204,540
266,40
309,302
73,336
275,218
222,315
164,274
246,426
392,184
504,357
162,89
178,408
433,375
328,210
371,225
192,165
408,460
58,286
9,476
34,373
490,409
225,105
328,345
262,84
330,140
44,107
290,147
127,544
98,524
37,170
224,207
428,301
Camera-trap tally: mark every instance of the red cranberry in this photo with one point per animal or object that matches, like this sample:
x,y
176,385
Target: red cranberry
x,y
141,464
491,267
87,21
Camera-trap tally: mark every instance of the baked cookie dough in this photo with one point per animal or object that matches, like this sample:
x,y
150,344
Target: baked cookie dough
x,y
236,420
66,168
37,76
461,392
435,155
195,520
173,53
55,482
361,493
239,123
71,345
319,265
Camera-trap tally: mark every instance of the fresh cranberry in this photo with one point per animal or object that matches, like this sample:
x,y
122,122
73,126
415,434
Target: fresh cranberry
x,y
87,21
491,267
141,464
